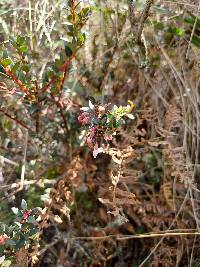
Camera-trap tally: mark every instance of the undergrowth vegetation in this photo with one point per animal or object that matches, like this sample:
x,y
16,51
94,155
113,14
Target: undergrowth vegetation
x,y
99,121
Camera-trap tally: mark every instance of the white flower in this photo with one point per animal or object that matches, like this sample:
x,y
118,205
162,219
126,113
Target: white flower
x,y
130,116
84,109
91,105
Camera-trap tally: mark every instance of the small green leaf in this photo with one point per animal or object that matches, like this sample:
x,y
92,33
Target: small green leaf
x,y
26,67
68,50
140,230
85,12
10,242
21,76
15,67
35,210
6,62
70,29
180,31
191,19
2,69
176,31
31,219
45,78
158,25
81,38
33,233
23,49
24,204
33,109
196,41
5,54
20,243
20,40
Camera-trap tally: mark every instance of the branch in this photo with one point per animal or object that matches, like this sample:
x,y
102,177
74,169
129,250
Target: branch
x,y
73,10
16,120
18,82
64,69
143,18
137,22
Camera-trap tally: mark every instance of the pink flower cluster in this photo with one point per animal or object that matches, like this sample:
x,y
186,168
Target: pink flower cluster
x,y
26,214
92,140
96,130
84,118
108,137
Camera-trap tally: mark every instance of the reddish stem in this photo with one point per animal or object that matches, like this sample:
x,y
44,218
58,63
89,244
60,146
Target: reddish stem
x,y
73,10
64,69
14,119
18,82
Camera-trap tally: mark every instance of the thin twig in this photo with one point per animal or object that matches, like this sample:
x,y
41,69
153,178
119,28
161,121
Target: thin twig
x,y
16,120
66,67
11,162
143,18
73,10
18,82
138,236
63,68
27,183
